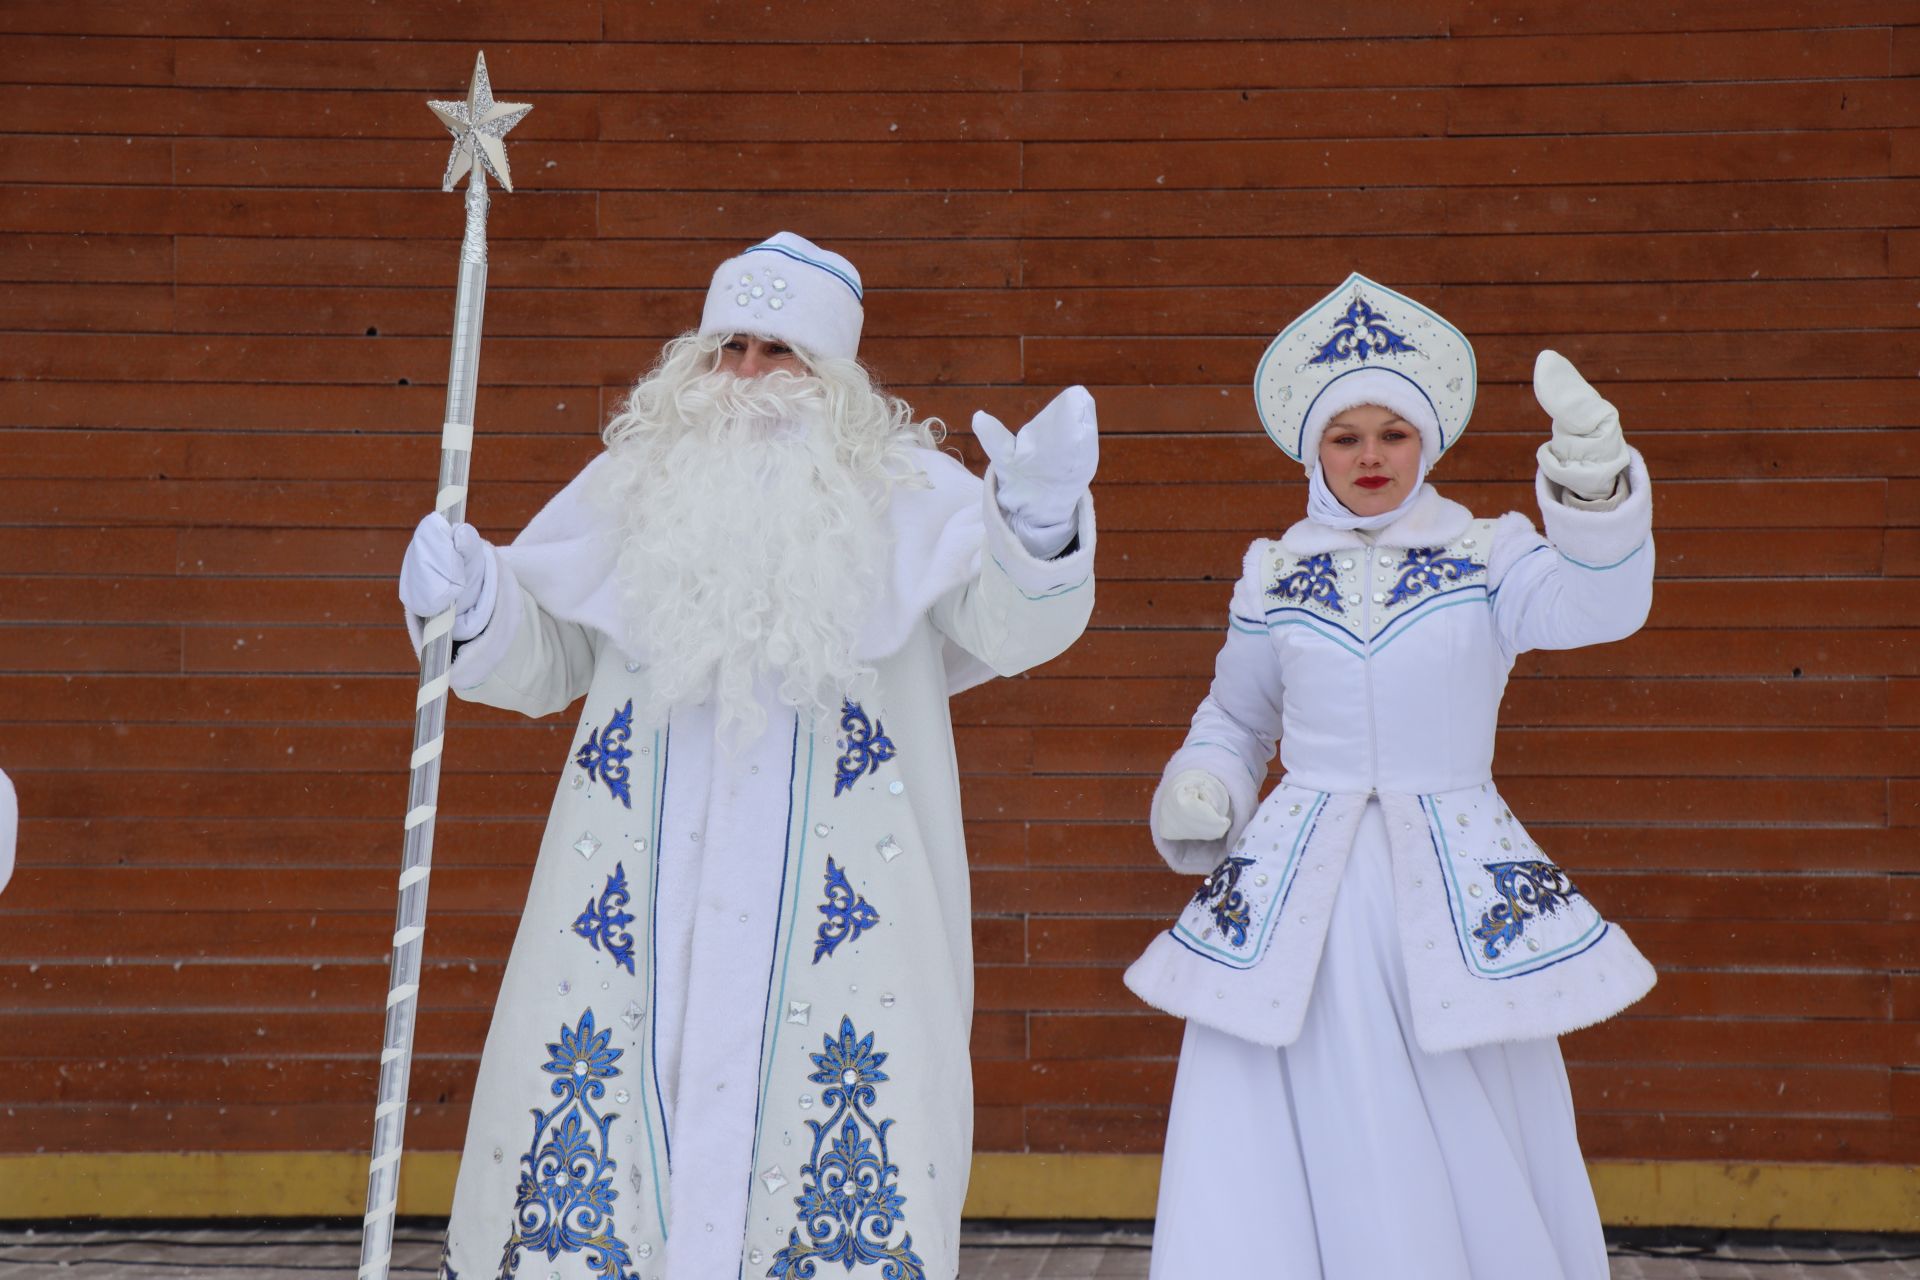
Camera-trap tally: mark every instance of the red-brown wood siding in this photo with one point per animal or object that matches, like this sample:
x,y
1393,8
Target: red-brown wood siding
x,y
227,287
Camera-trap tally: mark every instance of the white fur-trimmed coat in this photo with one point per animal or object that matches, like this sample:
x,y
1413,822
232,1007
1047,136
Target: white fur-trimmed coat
x,y
732,1037
1379,668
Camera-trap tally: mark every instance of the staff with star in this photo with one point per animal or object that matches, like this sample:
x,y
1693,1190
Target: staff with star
x,y
479,127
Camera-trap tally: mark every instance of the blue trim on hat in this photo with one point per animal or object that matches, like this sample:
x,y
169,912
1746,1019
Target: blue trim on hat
x,y
835,272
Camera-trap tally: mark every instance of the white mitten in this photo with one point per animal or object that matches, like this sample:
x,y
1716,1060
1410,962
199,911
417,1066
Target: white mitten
x,y
1193,805
1042,473
449,566
1587,453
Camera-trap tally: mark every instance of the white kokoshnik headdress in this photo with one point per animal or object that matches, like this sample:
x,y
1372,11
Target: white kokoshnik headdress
x,y
1365,344
790,289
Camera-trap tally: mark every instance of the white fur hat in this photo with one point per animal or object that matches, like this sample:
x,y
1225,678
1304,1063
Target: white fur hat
x,y
787,287
1365,344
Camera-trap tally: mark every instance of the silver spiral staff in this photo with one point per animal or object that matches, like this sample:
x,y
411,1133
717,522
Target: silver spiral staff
x,y
479,126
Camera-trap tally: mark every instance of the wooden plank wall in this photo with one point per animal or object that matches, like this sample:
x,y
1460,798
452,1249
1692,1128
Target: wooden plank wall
x,y
223,330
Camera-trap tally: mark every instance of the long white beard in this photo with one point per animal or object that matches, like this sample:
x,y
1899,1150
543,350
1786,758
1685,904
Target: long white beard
x,y
753,549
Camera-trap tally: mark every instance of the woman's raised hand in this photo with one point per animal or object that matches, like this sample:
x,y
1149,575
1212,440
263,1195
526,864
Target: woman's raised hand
x,y
1587,452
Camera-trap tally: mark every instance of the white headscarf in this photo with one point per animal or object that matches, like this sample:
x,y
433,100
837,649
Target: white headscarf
x,y
1324,508
1387,391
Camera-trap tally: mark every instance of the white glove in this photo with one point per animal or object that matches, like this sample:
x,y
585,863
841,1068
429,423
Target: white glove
x,y
1193,805
1042,473
449,566
1586,453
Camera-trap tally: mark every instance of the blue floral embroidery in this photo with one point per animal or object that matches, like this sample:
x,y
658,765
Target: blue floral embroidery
x,y
1526,889
1314,582
866,747
605,921
847,915
564,1203
1425,567
1360,333
1220,893
605,753
849,1197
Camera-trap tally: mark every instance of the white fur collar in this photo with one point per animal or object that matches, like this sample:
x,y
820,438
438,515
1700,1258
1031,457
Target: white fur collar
x,y
1433,522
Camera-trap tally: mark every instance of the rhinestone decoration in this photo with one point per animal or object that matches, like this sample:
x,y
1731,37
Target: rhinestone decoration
x,y
896,786
564,986
578,781
776,304
586,846
806,1102
773,1179
479,125
739,299
498,1155
632,667
632,1015
1461,818
889,849
821,828
1473,890
623,1097
755,1256
887,1000
640,845
645,1250
1533,944
799,1012
1294,812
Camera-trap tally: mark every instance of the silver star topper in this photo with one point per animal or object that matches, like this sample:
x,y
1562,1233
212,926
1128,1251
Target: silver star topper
x,y
479,126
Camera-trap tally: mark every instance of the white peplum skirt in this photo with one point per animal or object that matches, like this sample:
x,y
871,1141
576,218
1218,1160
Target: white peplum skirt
x,y
1351,1154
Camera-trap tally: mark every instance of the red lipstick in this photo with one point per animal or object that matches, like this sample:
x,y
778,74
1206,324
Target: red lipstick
x,y
1373,482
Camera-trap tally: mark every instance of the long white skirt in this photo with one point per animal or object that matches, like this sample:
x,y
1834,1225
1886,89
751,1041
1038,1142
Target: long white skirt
x,y
1354,1155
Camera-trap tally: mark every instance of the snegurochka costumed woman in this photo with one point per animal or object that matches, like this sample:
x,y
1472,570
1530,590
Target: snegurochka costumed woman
x,y
1375,968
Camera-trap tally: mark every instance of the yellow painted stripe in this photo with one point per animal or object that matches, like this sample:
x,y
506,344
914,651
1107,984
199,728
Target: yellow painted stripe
x,y
1785,1197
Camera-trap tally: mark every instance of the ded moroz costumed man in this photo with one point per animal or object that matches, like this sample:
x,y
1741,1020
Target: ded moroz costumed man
x,y
732,1037
1378,961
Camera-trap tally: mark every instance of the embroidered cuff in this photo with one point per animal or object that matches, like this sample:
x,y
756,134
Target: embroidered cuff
x,y
1197,857
1035,577
1600,539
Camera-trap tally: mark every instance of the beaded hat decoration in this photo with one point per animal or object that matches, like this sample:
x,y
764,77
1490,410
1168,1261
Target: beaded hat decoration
x,y
789,289
1365,344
